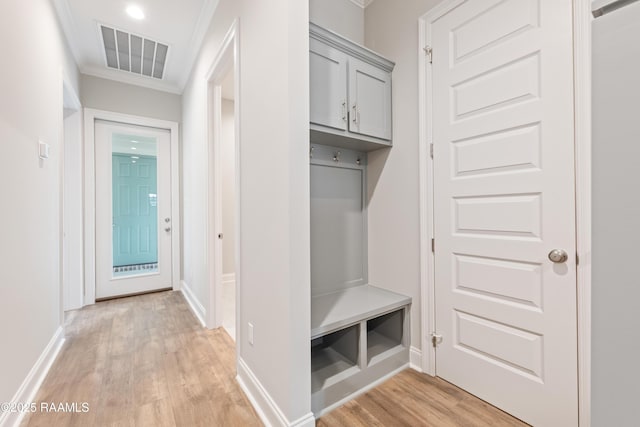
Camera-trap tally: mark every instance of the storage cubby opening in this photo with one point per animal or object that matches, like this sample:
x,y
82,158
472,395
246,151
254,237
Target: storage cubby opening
x,y
334,357
384,333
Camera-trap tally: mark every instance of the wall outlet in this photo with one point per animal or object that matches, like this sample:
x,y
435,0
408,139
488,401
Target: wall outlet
x,y
250,332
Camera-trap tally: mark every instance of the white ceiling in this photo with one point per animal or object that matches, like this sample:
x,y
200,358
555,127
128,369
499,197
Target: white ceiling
x,y
179,24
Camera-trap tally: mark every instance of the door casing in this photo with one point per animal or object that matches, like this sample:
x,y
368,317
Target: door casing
x,y
226,60
90,117
72,292
582,19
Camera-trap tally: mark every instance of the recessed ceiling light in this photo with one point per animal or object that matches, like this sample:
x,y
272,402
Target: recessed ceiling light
x,y
134,141
133,148
133,161
135,157
135,12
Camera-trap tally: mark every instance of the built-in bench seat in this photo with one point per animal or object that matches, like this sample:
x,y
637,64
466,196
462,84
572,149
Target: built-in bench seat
x,y
359,337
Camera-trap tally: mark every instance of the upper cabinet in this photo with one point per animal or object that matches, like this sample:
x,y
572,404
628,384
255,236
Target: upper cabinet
x,y
328,86
350,93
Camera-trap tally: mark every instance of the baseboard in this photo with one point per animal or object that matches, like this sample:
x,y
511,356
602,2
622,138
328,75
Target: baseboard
x,y
31,384
193,302
415,359
306,421
229,278
267,409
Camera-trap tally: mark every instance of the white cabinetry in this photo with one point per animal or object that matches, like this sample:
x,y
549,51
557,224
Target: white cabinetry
x,y
350,93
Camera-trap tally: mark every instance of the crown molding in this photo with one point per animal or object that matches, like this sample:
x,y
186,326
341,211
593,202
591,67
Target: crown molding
x,y
68,25
204,20
338,42
69,28
362,3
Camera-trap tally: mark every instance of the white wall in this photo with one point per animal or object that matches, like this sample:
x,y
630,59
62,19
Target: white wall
x,y
109,95
73,281
616,211
341,16
274,220
393,174
228,188
30,109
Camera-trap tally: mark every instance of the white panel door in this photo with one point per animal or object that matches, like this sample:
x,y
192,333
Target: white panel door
x,y
503,199
328,85
133,209
370,98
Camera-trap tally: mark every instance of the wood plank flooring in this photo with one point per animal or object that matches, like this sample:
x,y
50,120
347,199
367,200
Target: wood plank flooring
x,y
413,399
146,361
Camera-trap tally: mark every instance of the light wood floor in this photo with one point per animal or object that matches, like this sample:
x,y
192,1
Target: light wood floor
x,y
146,361
413,399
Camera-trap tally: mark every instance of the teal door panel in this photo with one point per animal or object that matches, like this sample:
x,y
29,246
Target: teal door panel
x,y
135,210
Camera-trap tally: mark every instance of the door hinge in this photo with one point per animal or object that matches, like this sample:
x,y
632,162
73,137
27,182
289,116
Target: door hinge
x,y
436,339
433,245
577,260
431,150
429,52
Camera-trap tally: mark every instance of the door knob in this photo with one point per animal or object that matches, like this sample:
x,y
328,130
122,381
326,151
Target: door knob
x,y
558,256
167,229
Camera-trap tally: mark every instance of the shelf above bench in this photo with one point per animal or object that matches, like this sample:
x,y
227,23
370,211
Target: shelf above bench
x,y
337,310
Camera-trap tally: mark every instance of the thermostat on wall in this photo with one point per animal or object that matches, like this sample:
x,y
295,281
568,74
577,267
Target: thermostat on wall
x,y
43,150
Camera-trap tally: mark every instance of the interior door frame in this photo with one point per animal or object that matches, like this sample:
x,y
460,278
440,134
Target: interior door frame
x,y
582,19
90,117
70,100
226,59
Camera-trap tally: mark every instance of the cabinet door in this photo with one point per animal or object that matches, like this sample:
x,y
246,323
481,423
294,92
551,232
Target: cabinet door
x,y
370,100
328,86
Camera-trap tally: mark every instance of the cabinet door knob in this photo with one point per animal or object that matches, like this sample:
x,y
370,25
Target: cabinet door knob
x,y
355,114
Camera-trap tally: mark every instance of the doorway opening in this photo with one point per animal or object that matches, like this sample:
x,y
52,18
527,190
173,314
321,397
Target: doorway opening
x,y
227,169
121,187
224,236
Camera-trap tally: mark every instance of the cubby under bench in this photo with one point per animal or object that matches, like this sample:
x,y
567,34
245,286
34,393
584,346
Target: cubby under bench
x,y
359,337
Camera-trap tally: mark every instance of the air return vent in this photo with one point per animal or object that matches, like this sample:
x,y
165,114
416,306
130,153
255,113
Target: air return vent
x,y
128,52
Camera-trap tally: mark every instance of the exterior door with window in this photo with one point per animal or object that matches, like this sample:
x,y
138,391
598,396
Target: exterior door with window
x,y
133,209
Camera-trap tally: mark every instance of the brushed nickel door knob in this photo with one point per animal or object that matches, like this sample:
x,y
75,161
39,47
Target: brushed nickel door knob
x,y
558,256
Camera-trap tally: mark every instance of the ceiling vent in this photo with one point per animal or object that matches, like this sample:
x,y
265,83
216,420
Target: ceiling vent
x,y
128,52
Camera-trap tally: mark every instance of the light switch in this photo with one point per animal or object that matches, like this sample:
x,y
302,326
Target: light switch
x,y
43,150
